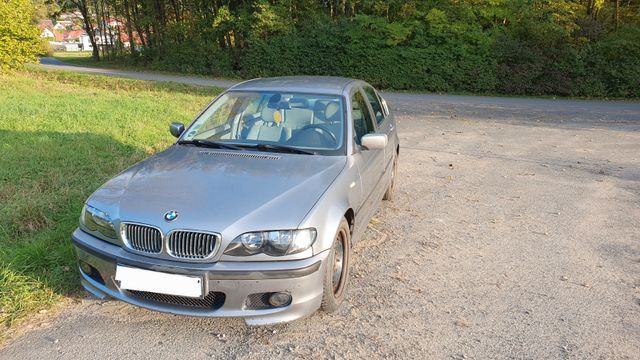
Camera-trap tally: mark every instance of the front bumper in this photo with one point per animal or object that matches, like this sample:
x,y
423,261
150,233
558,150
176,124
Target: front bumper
x,y
302,279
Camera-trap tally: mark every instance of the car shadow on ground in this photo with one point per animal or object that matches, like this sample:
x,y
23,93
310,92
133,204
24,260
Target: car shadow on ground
x,y
44,179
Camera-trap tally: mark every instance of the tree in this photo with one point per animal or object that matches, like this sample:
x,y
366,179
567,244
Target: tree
x,y
515,47
19,40
83,7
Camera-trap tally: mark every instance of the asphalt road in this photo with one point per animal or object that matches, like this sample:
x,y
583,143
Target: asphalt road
x,y
515,233
52,63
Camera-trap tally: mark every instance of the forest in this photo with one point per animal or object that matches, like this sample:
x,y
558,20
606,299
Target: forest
x,y
588,48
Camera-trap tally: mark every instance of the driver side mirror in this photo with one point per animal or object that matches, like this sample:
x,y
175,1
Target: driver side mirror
x,y
374,141
176,129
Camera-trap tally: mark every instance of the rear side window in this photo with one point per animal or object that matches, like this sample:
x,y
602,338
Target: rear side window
x,y
372,97
362,121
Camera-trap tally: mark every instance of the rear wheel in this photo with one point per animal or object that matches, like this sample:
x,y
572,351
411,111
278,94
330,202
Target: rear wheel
x,y
388,195
336,277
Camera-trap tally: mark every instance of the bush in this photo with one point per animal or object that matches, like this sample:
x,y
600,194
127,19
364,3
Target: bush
x,y
19,41
193,56
449,61
535,54
611,65
45,48
527,68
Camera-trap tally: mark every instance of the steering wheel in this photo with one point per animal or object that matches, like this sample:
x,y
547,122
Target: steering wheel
x,y
325,130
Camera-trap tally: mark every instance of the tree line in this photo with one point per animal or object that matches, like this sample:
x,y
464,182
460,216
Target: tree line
x,y
535,47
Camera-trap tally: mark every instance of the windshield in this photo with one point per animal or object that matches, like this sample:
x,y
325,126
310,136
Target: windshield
x,y
303,121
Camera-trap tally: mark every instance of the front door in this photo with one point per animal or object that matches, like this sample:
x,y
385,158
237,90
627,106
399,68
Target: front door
x,y
370,162
384,124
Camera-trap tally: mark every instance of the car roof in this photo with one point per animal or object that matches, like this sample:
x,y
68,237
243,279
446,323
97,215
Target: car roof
x,y
330,85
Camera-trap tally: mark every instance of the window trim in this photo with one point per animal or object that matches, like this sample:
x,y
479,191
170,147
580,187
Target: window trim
x,y
380,102
358,90
383,102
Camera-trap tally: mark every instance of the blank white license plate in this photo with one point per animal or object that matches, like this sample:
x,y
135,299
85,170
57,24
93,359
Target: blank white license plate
x,y
158,282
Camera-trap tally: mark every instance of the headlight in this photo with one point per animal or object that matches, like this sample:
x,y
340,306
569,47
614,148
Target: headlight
x,y
274,243
96,220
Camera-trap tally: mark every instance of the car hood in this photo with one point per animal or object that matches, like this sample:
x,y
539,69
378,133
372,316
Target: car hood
x,y
224,191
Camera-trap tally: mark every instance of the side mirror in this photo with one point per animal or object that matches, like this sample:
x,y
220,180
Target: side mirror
x,y
374,141
176,129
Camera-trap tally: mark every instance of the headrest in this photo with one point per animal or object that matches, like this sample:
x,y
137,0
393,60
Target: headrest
x,y
298,102
319,107
274,100
280,105
267,115
332,111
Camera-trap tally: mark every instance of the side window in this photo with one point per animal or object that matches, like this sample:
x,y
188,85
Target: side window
x,y
372,97
362,122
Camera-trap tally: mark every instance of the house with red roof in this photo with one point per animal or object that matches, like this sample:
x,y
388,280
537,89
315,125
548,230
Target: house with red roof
x,y
46,29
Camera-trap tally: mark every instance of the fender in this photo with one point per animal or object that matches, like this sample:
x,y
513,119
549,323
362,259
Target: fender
x,y
344,194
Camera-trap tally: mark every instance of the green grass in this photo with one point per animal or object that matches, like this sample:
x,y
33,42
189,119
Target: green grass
x,y
84,58
61,136
72,55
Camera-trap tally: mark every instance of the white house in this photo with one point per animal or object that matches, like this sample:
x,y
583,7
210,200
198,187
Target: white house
x,y
71,47
71,15
85,42
46,33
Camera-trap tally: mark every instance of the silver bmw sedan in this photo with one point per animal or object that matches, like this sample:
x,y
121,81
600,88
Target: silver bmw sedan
x,y
254,210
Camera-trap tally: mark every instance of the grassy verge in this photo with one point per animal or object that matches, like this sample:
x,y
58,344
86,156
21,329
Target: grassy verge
x,y
84,58
61,136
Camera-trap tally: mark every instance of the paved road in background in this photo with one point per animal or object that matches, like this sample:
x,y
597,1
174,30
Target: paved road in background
x,y
515,233
52,63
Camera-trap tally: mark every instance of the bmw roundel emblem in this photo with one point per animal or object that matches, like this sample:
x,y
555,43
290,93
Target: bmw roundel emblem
x,y
170,215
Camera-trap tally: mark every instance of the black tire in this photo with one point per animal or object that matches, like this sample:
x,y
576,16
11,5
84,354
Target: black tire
x,y
334,292
388,195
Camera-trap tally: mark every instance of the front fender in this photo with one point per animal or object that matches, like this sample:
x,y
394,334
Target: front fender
x,y
344,193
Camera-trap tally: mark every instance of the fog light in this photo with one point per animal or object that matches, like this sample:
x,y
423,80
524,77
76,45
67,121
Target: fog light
x,y
279,299
86,268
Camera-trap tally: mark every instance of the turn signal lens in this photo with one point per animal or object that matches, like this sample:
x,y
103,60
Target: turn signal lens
x,y
303,239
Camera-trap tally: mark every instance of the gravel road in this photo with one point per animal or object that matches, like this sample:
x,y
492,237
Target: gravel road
x,y
515,233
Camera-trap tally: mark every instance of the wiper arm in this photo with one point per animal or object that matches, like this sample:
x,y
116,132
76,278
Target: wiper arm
x,y
210,144
283,148
260,147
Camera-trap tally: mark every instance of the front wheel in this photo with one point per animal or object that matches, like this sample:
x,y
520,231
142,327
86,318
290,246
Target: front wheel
x,y
388,195
336,276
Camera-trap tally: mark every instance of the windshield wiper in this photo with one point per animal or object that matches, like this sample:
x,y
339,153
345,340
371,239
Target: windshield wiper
x,y
282,148
210,144
260,147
